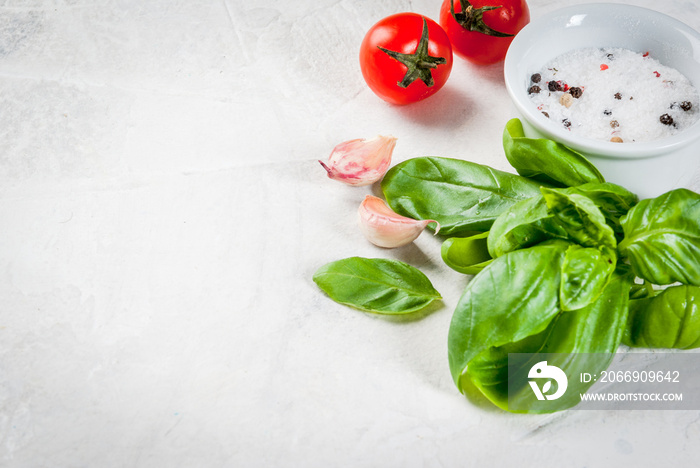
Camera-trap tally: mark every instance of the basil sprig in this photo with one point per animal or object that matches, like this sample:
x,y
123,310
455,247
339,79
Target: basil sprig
x,y
564,270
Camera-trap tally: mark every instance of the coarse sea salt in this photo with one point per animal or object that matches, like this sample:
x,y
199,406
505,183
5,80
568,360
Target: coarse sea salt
x,y
614,94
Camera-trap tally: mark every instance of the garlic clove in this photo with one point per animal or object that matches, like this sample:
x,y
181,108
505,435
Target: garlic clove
x,y
385,228
360,162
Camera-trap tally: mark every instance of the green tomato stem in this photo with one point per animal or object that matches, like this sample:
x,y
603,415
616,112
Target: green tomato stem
x,y
472,19
419,64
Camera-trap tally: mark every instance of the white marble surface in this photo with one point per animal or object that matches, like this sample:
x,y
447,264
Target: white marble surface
x,y
162,213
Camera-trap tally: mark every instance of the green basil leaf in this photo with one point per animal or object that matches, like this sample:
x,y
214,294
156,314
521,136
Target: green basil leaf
x,y
460,195
586,339
613,200
580,217
524,224
489,370
546,160
512,298
662,238
671,319
468,255
585,272
376,285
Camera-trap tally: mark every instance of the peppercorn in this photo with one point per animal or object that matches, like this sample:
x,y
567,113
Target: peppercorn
x,y
566,100
576,92
666,119
610,57
536,78
554,86
614,123
686,105
534,90
607,112
618,96
566,123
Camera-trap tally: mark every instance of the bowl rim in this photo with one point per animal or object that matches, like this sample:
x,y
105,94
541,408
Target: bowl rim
x,y
531,34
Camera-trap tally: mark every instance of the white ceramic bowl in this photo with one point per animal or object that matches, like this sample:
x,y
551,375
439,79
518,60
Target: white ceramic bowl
x,y
648,168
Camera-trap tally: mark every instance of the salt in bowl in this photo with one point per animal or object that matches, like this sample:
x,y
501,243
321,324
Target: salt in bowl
x,y
646,168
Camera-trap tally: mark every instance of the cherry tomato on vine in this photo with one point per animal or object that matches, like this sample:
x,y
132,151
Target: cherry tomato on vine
x,y
482,30
405,57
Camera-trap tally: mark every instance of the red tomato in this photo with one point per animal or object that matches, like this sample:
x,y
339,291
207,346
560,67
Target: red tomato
x,y
405,58
482,30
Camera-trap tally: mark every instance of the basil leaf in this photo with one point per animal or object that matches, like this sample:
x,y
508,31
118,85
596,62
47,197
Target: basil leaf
x,y
585,272
460,195
468,255
524,224
546,160
613,201
585,340
662,238
489,370
512,298
376,285
580,217
670,319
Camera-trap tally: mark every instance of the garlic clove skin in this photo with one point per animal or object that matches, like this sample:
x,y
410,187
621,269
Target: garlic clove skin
x,y
360,162
385,228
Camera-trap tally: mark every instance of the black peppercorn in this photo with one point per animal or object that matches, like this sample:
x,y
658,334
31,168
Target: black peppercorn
x,y
533,89
607,112
554,86
666,119
536,78
576,92
686,105
566,123
618,96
